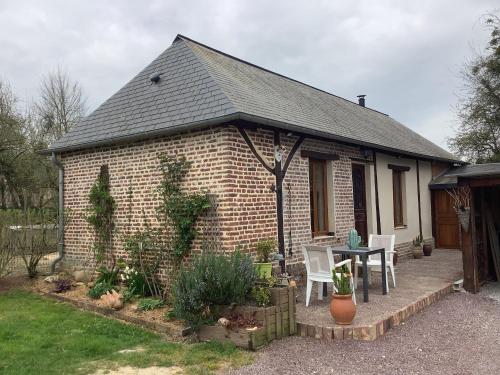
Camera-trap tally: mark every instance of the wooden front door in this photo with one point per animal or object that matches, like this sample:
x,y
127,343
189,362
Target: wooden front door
x,y
359,198
446,221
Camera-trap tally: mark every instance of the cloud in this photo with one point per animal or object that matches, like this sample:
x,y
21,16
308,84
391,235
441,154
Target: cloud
x,y
404,55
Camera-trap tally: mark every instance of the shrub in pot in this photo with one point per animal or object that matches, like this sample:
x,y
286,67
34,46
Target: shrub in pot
x,y
342,307
265,249
417,247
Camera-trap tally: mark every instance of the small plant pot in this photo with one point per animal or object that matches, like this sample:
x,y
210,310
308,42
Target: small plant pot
x,y
264,270
427,249
417,252
342,308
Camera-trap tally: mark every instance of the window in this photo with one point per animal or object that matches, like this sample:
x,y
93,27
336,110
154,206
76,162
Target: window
x,y
397,189
318,193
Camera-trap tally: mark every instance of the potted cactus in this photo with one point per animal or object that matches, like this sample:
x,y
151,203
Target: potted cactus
x,y
266,251
342,307
417,247
353,240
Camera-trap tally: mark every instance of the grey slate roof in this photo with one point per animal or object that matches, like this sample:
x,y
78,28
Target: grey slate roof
x,y
475,170
450,177
200,86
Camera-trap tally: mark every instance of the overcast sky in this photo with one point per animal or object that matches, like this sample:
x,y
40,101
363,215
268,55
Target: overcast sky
x,y
406,56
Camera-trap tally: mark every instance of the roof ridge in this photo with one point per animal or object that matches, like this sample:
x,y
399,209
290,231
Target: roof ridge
x,y
205,67
183,37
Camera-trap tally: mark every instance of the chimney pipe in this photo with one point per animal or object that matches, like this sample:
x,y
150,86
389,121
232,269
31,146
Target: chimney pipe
x,y
361,100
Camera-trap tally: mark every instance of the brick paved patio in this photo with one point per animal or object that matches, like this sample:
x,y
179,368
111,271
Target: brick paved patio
x,y
419,282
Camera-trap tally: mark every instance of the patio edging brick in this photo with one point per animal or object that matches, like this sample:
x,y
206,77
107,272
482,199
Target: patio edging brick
x,y
371,332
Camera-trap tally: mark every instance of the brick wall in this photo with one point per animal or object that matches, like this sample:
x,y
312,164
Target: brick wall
x,y
244,207
137,166
253,203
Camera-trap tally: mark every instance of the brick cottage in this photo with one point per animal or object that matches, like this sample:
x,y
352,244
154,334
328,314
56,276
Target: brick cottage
x,y
279,158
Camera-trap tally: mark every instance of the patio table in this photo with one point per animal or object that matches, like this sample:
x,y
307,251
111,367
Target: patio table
x,y
363,253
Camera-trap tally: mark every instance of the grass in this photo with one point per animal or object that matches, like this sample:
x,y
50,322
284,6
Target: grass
x,y
39,336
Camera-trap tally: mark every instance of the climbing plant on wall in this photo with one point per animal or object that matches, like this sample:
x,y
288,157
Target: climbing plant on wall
x,y
100,216
179,208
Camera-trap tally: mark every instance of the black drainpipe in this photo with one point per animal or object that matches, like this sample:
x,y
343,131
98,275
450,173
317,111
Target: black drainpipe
x,y
60,214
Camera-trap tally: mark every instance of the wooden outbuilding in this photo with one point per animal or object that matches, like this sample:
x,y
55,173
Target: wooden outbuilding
x,y
472,193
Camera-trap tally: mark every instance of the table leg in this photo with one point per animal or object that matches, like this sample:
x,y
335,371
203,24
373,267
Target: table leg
x,y
325,290
365,277
384,272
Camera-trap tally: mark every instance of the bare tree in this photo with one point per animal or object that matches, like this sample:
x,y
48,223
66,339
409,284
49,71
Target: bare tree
x,y
61,104
26,177
7,99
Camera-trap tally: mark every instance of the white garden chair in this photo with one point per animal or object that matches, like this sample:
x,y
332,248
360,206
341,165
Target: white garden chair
x,y
319,263
374,263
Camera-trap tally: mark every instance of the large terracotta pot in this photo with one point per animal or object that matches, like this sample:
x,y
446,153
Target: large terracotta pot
x,y
342,308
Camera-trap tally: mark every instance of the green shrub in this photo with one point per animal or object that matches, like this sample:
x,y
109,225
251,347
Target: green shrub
x,y
150,304
265,248
145,251
99,289
107,276
262,296
180,209
211,279
134,280
101,209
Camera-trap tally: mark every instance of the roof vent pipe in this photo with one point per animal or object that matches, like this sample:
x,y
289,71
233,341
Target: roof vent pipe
x,y
361,100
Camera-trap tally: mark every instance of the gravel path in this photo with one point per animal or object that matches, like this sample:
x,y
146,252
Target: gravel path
x,y
491,290
458,335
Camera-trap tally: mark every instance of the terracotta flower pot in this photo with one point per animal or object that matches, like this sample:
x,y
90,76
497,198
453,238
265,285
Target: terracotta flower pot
x,y
427,250
342,308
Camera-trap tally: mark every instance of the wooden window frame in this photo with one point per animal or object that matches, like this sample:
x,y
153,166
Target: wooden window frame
x,y
313,200
397,177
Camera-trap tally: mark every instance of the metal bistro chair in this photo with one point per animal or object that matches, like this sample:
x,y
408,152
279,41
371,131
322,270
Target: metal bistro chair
x,y
319,263
374,263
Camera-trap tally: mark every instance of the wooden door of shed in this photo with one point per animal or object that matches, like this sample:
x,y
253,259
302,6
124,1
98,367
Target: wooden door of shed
x,y
446,221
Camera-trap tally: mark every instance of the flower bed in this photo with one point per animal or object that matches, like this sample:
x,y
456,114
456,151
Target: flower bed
x,y
153,320
260,325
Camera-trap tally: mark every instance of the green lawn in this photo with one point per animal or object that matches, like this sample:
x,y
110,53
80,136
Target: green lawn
x,y
38,336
